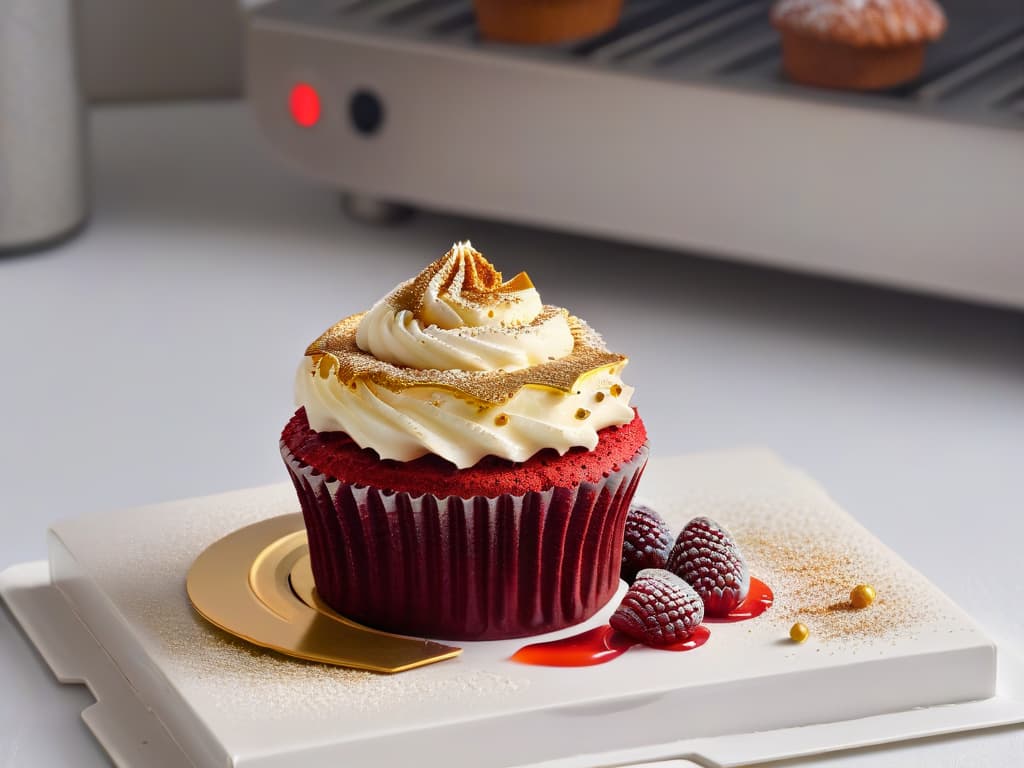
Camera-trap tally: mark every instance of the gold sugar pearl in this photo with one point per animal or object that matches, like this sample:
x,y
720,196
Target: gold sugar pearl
x,y
616,390
599,396
798,633
582,413
501,419
862,596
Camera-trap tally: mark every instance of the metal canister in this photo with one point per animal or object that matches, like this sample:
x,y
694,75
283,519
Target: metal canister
x,y
43,187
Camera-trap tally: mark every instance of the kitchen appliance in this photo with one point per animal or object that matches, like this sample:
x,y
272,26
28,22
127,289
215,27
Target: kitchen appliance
x,y
42,136
675,129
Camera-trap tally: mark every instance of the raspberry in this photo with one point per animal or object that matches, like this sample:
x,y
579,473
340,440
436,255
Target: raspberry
x,y
706,557
659,609
647,543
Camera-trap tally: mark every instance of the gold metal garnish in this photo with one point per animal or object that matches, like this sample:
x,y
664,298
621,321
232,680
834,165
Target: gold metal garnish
x,y
256,584
616,390
501,419
491,387
582,413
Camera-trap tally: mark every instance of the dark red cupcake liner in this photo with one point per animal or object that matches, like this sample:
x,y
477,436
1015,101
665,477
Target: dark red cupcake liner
x,y
466,569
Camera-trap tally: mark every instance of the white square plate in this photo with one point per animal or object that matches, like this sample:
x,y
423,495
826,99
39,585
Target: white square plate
x,y
749,694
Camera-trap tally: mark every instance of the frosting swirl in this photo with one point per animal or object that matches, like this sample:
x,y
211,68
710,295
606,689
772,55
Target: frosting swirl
x,y
459,315
458,363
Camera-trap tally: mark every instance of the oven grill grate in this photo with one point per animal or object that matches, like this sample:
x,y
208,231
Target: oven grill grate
x,y
976,72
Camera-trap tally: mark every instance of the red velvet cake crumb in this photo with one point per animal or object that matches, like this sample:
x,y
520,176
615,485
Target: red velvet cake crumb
x,y
335,454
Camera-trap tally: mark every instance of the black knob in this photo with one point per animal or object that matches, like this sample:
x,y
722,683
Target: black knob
x,y
366,111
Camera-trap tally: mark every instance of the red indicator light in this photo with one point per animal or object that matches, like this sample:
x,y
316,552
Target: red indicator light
x,y
304,104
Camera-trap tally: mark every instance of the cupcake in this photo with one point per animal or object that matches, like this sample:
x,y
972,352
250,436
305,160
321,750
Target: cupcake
x,y
465,457
856,44
545,21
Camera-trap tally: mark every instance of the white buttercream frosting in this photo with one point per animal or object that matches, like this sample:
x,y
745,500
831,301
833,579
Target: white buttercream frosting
x,y
458,316
398,336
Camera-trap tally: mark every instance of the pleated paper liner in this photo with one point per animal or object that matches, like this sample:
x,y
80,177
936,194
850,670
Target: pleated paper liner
x,y
466,568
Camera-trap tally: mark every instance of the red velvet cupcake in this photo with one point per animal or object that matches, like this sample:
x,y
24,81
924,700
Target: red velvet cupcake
x,y
464,457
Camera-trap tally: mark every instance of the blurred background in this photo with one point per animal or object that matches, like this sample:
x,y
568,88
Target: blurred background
x,y
164,49
916,184
837,276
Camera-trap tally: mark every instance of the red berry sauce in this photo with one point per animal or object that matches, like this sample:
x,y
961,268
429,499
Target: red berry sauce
x,y
758,600
602,644
595,646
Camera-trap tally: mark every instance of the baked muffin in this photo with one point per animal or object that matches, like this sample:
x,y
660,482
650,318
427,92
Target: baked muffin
x,y
464,457
545,21
856,44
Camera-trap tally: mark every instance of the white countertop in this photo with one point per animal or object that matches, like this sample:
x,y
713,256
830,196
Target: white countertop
x,y
152,359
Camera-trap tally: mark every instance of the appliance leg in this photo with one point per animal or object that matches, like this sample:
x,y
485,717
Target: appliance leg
x,y
373,210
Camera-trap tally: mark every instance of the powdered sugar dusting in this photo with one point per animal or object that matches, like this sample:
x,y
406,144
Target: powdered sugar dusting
x,y
862,22
811,553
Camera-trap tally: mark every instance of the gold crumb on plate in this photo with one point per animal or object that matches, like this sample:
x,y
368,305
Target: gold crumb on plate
x,y
256,584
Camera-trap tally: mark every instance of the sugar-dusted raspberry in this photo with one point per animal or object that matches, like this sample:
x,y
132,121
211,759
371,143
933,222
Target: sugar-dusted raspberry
x,y
647,543
659,609
706,557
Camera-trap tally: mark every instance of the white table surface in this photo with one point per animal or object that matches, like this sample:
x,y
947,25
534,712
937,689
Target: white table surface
x,y
152,358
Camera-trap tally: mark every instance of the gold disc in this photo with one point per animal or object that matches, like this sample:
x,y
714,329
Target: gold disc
x,y
257,585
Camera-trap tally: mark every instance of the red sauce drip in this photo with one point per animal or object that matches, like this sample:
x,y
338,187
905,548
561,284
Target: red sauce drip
x,y
602,644
595,646
758,600
698,637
